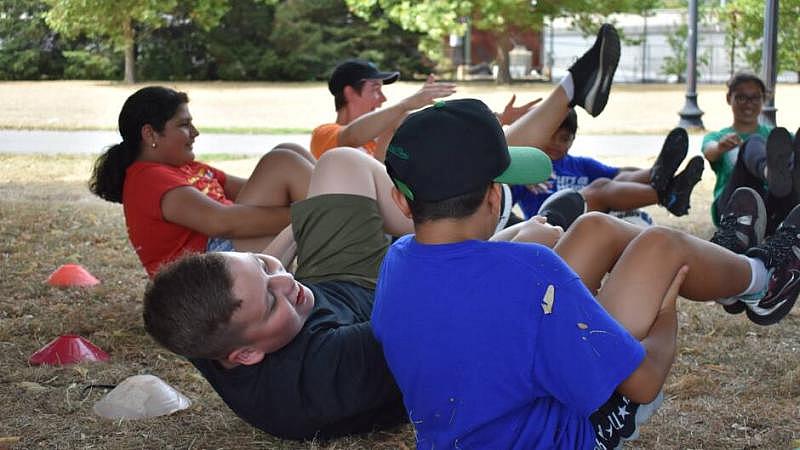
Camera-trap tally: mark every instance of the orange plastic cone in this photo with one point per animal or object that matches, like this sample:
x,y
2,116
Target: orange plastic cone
x,y
72,275
67,349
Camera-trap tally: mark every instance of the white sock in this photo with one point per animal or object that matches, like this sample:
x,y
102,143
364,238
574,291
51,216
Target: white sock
x,y
568,86
759,277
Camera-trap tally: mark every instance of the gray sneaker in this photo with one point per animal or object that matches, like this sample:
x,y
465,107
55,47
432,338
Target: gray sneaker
x,y
741,228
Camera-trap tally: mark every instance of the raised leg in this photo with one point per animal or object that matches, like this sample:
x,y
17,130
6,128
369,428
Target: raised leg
x,y
349,171
280,178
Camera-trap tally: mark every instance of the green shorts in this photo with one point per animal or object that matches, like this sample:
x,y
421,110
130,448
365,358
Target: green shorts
x,y
339,237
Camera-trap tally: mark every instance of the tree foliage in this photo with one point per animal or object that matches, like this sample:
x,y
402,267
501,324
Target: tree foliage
x,y
28,48
744,21
502,18
120,21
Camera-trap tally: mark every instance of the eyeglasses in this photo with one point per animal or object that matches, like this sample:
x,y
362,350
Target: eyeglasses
x,y
741,99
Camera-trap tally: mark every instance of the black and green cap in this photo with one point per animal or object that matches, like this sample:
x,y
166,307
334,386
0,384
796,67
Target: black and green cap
x,y
455,147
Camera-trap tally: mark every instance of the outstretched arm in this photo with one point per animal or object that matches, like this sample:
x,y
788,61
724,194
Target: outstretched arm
x,y
371,125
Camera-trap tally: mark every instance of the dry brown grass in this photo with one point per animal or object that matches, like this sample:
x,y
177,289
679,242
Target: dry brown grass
x,y
734,384
70,105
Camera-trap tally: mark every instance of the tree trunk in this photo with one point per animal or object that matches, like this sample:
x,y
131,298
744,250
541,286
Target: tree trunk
x,y
503,72
129,36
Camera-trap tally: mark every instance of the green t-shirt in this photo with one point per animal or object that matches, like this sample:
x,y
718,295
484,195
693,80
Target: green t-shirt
x,y
723,167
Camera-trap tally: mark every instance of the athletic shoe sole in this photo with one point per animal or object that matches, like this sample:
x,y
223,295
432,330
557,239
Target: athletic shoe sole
x,y
597,97
779,153
673,152
771,316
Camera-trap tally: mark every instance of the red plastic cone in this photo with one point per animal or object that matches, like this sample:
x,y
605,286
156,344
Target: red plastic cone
x,y
72,275
67,349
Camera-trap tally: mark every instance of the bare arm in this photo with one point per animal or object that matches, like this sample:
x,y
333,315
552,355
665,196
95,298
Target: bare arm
x,y
643,385
373,124
535,230
714,150
191,208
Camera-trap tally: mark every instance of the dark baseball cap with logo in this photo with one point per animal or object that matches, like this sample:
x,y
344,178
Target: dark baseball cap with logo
x,y
455,147
350,72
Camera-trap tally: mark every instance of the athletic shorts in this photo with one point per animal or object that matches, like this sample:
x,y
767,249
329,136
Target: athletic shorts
x,y
339,237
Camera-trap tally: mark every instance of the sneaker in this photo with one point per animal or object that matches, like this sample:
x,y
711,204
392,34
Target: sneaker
x,y
779,159
678,194
619,419
672,154
741,228
593,72
745,223
563,207
781,255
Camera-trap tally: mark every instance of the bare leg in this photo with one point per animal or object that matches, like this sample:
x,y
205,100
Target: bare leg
x,y
537,125
299,149
644,268
349,171
638,176
280,178
605,195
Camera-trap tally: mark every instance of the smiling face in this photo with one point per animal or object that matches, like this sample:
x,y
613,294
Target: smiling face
x,y
174,143
746,100
274,305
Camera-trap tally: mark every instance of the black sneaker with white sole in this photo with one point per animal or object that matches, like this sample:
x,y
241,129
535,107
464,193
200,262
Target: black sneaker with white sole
x,y
619,419
563,207
672,154
679,192
742,227
779,162
781,256
593,72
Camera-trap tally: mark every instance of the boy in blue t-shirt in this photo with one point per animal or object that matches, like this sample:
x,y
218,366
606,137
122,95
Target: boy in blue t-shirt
x,y
502,344
606,188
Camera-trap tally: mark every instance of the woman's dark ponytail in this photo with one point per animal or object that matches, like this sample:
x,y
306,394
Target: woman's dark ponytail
x,y
108,174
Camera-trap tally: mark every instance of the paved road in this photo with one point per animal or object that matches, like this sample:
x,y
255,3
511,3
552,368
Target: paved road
x,y
92,142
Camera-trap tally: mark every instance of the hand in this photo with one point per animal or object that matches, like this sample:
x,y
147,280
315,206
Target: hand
x,y
539,188
430,91
537,230
668,304
511,113
729,142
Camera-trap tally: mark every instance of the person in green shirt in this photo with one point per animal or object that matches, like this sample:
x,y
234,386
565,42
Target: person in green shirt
x,y
750,154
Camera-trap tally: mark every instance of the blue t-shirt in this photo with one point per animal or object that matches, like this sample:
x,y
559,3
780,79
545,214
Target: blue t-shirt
x,y
483,359
569,172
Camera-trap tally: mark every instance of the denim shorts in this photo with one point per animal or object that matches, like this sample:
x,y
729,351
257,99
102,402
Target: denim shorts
x,y
217,244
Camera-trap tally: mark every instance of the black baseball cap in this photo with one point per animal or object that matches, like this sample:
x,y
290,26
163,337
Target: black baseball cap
x,y
352,71
455,147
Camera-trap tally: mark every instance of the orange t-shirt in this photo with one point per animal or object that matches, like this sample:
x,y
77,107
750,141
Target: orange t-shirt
x,y
326,137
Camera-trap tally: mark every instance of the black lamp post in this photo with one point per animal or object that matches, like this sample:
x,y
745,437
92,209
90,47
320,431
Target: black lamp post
x,y
691,113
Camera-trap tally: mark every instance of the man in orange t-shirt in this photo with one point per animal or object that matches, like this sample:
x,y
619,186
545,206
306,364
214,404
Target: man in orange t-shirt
x,y
356,87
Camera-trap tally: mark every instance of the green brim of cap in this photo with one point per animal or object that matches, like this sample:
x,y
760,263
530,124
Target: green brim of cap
x,y
529,165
